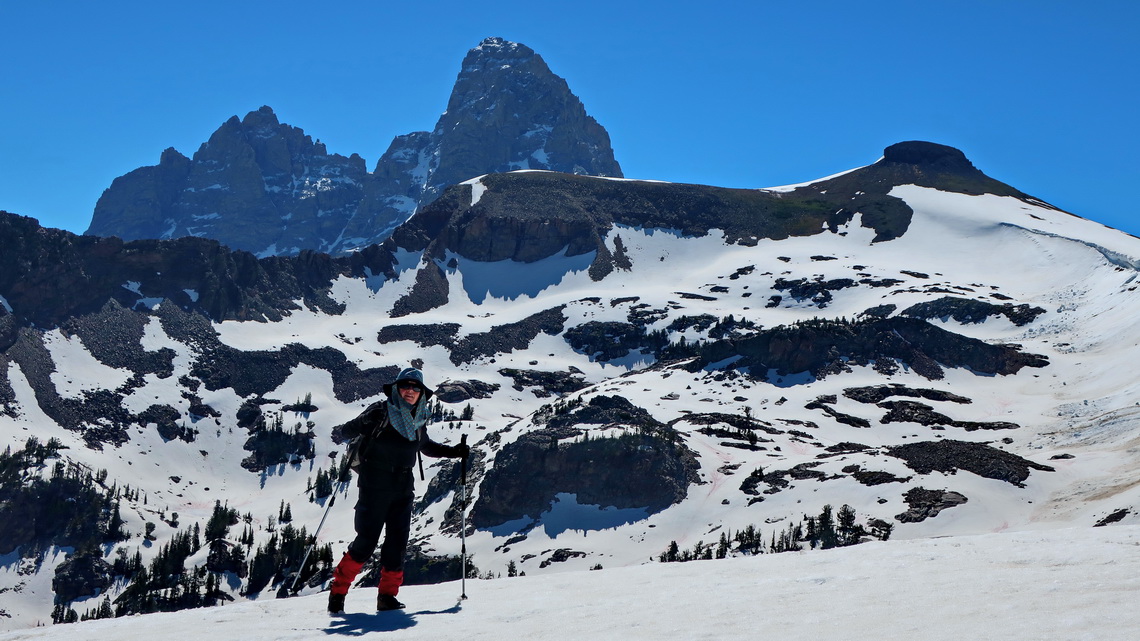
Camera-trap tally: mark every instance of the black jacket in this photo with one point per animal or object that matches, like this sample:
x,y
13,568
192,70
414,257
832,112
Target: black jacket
x,y
385,451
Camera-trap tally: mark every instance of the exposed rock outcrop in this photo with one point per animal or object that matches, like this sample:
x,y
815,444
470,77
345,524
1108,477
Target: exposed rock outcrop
x,y
923,414
926,504
827,347
459,391
950,456
643,468
49,275
965,310
81,575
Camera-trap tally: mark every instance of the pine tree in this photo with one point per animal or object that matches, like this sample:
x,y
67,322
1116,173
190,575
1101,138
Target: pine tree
x,y
115,525
827,536
847,531
722,546
812,536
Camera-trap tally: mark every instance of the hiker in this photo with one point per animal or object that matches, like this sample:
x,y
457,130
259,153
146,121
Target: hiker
x,y
393,432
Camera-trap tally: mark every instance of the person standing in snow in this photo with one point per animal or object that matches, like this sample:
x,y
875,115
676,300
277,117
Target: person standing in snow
x,y
393,433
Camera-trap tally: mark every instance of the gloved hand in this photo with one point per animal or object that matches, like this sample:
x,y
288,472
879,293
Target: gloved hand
x,y
462,451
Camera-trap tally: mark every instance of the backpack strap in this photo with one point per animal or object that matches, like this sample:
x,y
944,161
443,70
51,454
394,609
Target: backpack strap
x,y
364,439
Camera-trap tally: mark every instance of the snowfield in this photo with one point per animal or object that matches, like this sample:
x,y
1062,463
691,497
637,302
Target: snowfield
x,y
1064,584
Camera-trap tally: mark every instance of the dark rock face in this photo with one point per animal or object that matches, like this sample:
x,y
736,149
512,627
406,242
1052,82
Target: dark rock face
x,y
546,383
449,479
965,310
914,412
422,335
81,575
99,415
981,459
256,185
1115,517
561,555
925,504
605,341
529,216
840,417
459,391
873,477
819,291
928,154
778,480
258,372
49,275
878,393
266,187
827,347
508,111
430,291
507,338
646,468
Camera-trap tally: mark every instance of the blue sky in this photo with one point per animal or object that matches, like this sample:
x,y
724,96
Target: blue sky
x,y
1042,95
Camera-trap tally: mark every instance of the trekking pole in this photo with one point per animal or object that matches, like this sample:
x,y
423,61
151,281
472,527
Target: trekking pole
x,y
463,520
342,479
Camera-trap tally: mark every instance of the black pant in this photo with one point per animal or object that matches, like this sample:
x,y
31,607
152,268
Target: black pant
x,y
387,511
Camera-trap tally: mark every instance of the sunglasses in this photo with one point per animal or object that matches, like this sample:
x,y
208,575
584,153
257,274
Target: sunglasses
x,y
404,386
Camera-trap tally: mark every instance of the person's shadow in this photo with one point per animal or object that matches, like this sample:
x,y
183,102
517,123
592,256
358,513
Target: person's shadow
x,y
358,624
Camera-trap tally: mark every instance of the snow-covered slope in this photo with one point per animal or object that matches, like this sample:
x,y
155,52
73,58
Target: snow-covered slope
x,y
1077,583
1068,425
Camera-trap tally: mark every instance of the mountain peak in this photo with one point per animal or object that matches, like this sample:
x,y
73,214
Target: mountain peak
x,y
263,117
496,49
265,186
934,155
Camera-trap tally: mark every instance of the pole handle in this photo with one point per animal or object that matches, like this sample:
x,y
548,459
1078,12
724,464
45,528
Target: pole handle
x,y
463,461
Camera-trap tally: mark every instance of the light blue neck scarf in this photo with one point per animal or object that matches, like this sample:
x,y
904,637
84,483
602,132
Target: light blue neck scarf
x,y
404,418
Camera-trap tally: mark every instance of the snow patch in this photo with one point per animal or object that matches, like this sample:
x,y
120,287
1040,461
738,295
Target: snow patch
x,y
77,371
477,189
509,279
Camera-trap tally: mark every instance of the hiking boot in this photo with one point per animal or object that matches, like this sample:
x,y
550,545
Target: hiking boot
x,y
336,603
388,602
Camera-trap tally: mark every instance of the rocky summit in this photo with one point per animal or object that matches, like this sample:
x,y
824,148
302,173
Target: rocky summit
x,y
266,187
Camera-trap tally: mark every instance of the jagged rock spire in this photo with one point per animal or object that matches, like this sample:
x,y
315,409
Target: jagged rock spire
x,y
267,187
508,110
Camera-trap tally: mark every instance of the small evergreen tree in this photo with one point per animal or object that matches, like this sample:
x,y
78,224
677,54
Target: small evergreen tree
x,y
826,524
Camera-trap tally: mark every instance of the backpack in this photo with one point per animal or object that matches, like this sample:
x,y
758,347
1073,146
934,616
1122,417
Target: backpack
x,y
359,443
354,448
